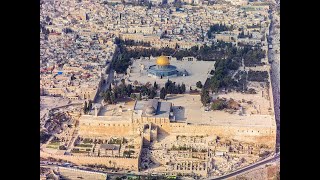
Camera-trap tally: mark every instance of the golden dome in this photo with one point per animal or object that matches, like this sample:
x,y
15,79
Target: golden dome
x,y
163,61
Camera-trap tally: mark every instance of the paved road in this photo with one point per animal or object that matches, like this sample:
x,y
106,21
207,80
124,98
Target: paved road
x,y
263,162
250,167
275,79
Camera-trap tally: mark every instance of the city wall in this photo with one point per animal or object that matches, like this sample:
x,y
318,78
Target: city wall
x,y
108,130
250,134
126,163
104,126
257,135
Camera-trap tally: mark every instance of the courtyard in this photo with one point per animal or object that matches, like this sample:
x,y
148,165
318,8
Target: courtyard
x,y
197,71
194,112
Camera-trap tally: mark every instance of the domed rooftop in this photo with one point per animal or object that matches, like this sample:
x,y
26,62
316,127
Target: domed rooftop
x,y
162,61
150,110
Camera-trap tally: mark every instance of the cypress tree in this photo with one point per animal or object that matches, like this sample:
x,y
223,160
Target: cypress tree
x,y
85,107
162,93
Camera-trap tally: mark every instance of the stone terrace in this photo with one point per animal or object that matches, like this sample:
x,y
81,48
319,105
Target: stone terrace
x,y
197,70
194,113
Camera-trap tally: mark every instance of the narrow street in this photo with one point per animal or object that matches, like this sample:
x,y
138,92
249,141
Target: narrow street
x,y
105,86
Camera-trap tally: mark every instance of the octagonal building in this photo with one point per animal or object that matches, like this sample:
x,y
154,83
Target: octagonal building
x,y
162,68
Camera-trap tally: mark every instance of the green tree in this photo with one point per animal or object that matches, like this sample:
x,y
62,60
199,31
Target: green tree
x,y
183,88
140,96
107,96
155,85
218,105
123,81
178,89
205,98
113,98
167,84
62,147
44,137
199,84
152,94
162,93
48,19
129,90
85,107
133,96
90,105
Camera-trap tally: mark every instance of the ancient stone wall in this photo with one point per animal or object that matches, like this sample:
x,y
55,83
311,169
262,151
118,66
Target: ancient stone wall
x,y
105,129
252,134
263,135
126,163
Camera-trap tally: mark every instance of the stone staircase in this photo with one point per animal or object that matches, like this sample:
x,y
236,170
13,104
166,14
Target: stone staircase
x,y
96,150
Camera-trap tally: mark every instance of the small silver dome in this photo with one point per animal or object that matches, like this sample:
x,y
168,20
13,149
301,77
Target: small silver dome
x,y
150,110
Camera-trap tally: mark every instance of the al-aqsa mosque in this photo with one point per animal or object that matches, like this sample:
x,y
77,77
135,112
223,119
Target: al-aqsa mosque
x,y
162,68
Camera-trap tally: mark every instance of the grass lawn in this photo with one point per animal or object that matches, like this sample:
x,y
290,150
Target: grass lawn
x,y
84,145
52,147
54,143
79,151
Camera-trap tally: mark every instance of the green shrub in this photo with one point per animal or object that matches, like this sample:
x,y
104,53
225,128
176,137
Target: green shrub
x,y
218,104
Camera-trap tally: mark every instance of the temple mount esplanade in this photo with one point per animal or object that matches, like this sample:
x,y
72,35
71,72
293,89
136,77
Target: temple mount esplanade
x,y
162,68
